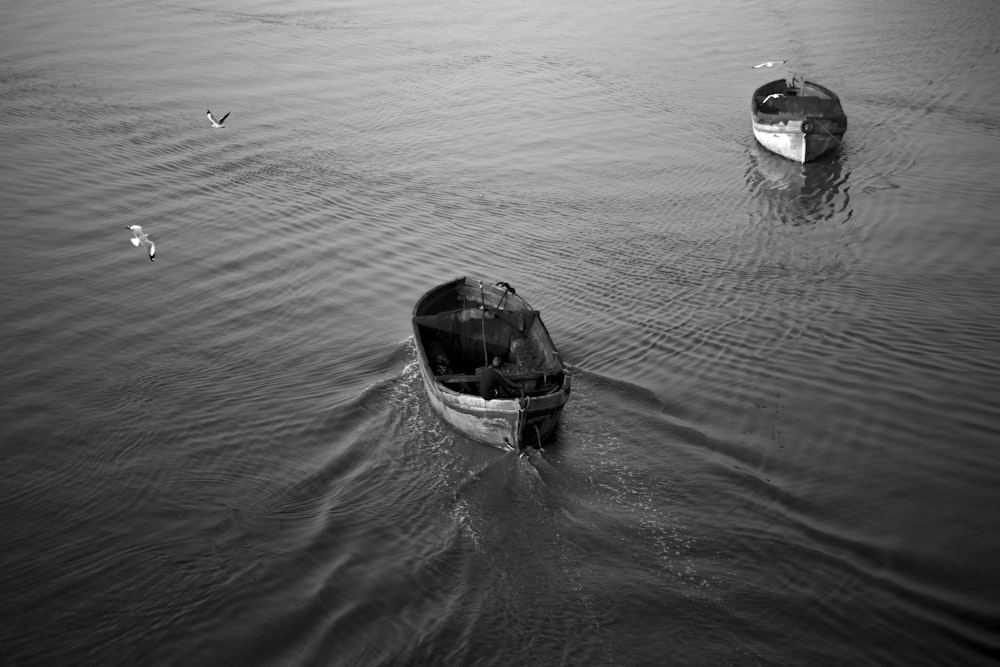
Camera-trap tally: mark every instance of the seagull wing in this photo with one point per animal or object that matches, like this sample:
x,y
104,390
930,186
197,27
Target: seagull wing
x,y
152,251
223,119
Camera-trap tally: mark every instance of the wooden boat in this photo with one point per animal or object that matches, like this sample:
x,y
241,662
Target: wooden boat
x,y
459,327
797,119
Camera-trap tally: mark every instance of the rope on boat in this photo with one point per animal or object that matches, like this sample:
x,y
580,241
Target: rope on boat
x,y
820,126
482,304
504,297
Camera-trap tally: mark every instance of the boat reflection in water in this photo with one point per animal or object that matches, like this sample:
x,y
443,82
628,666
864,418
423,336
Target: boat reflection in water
x,y
802,229
797,194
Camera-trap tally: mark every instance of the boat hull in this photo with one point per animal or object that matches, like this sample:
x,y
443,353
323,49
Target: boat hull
x,y
469,322
801,123
504,423
787,139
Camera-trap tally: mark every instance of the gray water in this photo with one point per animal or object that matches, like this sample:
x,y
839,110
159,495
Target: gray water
x,y
781,444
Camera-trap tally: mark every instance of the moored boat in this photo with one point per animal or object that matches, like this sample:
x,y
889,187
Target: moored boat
x,y
797,119
459,327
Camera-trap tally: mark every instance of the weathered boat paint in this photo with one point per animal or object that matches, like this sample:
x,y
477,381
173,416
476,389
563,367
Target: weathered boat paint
x,y
505,423
800,122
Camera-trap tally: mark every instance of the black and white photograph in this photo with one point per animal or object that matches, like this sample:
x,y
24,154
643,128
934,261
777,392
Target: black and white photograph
x,y
510,333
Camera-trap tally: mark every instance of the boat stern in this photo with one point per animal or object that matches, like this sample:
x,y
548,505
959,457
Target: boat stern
x,y
799,140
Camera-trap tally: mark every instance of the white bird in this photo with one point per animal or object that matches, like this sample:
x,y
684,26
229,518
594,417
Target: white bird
x,y
769,63
219,122
139,238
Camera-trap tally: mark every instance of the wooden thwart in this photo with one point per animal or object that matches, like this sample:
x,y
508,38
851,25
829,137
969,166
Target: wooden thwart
x,y
462,377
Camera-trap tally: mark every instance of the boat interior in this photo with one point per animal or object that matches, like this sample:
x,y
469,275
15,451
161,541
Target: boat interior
x,y
796,97
794,105
460,341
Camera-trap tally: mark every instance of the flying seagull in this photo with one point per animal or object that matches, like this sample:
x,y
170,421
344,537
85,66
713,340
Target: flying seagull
x,y
139,238
769,63
216,123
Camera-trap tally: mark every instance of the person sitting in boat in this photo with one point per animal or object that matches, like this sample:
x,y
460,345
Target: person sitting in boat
x,y
492,383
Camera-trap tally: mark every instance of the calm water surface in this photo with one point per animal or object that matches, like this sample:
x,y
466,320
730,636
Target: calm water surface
x,y
781,445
